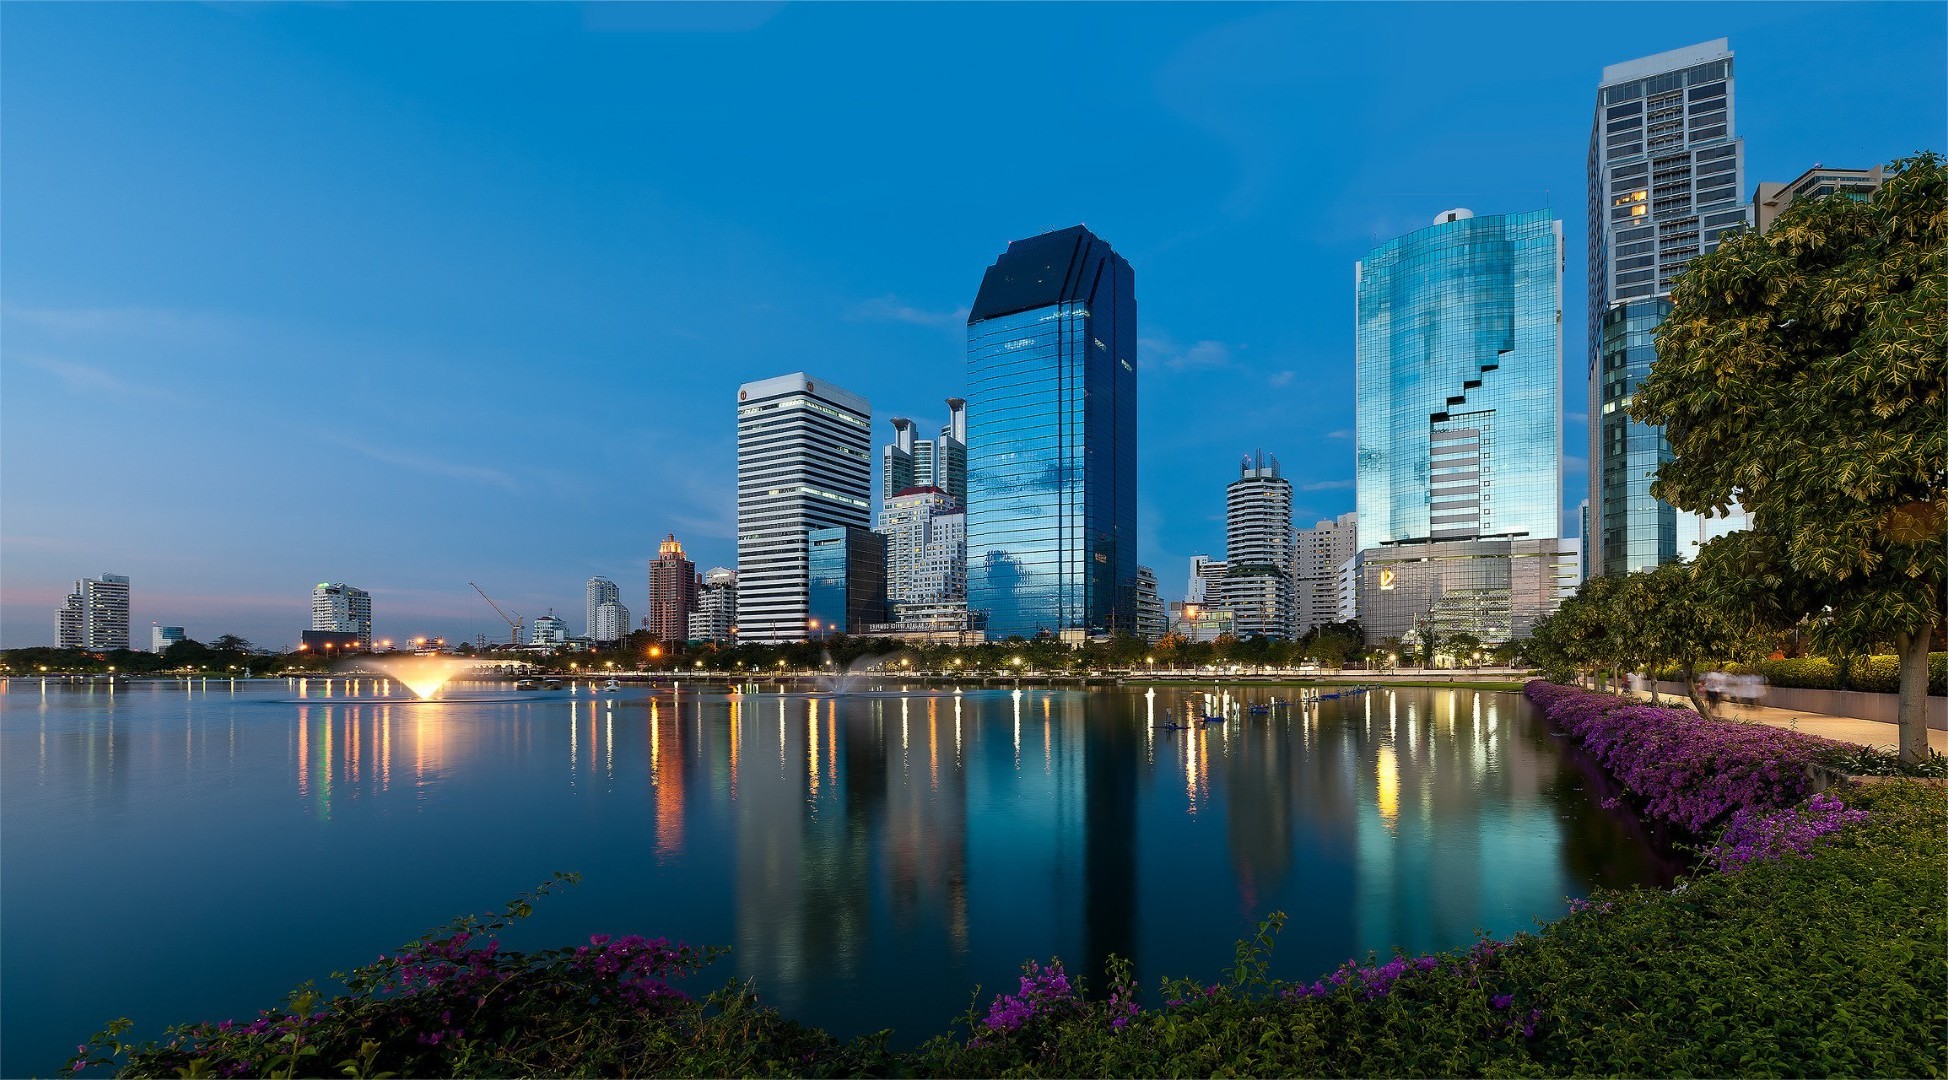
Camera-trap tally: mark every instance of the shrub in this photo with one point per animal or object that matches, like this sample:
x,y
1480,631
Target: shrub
x,y
1876,674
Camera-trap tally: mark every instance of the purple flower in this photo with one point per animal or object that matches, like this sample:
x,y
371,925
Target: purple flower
x,y
1502,1001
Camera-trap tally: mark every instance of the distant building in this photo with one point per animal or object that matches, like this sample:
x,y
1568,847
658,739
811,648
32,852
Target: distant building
x,y
941,462
1665,170
95,616
1257,584
1347,589
1318,553
342,609
803,463
602,625
926,555
161,637
1494,589
1051,439
327,641
1197,622
847,593
1150,620
715,620
1769,200
549,632
672,592
1206,574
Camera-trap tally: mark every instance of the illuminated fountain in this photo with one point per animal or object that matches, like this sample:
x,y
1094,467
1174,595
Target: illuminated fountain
x,y
425,676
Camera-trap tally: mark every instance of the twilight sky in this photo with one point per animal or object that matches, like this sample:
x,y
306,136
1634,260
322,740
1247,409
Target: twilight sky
x,y
412,295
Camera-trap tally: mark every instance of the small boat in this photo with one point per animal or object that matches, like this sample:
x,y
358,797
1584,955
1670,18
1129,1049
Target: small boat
x,y
611,687
551,684
526,684
1261,710
1213,719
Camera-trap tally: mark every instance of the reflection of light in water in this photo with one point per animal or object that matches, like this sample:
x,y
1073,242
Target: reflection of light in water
x,y
811,747
1387,779
304,750
1048,736
933,754
609,737
736,737
1017,731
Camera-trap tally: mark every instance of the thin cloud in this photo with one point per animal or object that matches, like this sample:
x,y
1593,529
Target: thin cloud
x,y
450,470
1573,464
1283,378
146,323
1165,353
1340,433
1326,485
893,309
1576,418
88,379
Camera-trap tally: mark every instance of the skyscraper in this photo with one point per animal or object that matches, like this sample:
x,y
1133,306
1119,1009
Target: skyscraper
x,y
909,461
1665,171
95,615
1459,354
1258,549
715,619
600,626
1319,553
803,462
847,584
926,549
1051,439
672,592
341,609
1150,619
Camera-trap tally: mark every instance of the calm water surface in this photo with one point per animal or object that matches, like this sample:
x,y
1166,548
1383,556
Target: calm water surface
x,y
173,852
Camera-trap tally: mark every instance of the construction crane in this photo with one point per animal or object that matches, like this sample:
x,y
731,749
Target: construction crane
x,y
513,624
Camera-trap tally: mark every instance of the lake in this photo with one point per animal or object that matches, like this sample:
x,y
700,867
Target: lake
x,y
178,851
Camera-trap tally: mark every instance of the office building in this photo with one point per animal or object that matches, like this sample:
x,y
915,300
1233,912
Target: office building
x,y
847,591
161,637
1206,576
604,626
804,462
926,555
715,620
672,591
909,462
1317,555
1769,199
1665,171
1150,619
1258,549
1201,622
95,616
1459,353
338,608
1051,439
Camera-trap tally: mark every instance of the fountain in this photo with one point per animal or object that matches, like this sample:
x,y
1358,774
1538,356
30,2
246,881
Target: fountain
x,y
839,683
425,676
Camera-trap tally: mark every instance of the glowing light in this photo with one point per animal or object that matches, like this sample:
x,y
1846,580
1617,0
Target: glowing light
x,y
1386,778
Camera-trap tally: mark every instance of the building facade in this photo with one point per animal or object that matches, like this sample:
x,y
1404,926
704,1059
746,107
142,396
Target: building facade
x,y
1151,622
926,550
95,615
598,626
1258,549
804,462
1459,468
1051,439
343,609
909,461
1317,555
847,590
161,637
550,631
672,591
1665,170
715,620
1769,200
1206,576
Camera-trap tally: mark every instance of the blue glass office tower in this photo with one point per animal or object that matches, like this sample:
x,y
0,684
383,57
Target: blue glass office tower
x,y
1459,355
1051,439
845,580
1459,470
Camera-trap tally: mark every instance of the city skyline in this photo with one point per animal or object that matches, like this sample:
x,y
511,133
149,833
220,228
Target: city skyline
x,y
189,265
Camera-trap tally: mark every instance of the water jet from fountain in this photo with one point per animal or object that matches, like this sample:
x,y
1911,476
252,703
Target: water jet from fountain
x,y
425,676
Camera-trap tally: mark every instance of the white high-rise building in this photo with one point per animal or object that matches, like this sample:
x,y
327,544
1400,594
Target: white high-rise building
x,y
342,609
600,626
1150,619
161,637
1317,556
926,549
803,462
715,619
549,631
95,615
1258,549
1205,575
909,461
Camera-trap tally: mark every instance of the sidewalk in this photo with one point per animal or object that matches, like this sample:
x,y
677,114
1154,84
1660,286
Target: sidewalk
x,y
1839,728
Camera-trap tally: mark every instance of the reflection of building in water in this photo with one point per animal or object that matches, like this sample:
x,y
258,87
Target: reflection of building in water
x,y
667,775
1110,766
1456,829
926,816
346,751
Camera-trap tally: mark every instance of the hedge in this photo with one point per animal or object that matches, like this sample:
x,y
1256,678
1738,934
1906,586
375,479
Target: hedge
x,y
1877,674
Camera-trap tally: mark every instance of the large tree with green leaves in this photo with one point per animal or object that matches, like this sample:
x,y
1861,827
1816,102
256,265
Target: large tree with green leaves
x,y
1801,374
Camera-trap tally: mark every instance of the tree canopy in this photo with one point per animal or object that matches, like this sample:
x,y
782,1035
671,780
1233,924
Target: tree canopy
x,y
1801,374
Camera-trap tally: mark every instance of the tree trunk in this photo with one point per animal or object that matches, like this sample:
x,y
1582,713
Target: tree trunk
x,y
1691,689
1912,713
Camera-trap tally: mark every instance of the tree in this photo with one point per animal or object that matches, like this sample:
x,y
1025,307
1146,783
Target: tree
x,y
1684,622
1801,374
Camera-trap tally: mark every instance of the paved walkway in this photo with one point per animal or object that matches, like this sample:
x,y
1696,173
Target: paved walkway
x,y
1839,728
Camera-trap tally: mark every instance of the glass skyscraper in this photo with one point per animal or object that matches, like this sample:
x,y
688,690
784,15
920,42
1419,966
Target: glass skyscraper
x,y
1051,439
1459,355
1665,172
1459,469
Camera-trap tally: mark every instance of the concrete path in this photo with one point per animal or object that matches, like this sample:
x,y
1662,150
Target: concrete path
x,y
1838,728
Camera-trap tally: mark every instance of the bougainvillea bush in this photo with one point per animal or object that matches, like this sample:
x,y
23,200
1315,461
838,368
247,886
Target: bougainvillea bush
x,y
1682,768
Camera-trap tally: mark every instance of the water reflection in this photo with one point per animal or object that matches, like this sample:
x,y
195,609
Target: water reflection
x,y
869,857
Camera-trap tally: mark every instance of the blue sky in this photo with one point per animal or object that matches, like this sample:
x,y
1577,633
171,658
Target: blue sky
x,y
409,296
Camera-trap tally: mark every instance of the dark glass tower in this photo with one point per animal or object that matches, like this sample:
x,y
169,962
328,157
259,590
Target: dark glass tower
x,y
1051,439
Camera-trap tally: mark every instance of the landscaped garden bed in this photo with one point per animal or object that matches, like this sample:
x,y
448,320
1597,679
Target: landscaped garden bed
x,y
1810,941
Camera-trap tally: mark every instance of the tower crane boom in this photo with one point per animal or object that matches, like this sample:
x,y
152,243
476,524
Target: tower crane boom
x,y
513,624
